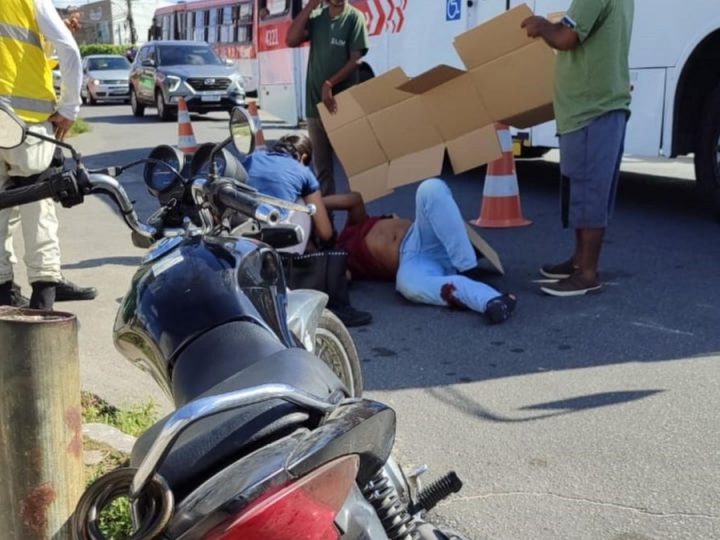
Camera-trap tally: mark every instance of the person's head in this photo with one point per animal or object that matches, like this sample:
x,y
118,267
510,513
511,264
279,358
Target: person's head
x,y
298,146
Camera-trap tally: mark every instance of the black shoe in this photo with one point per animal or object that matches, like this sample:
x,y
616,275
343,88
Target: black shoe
x,y
16,297
499,309
67,291
352,317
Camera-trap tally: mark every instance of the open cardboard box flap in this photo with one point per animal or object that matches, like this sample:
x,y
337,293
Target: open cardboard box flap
x,y
393,130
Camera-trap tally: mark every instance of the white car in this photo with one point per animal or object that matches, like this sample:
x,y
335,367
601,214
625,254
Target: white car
x,y
106,78
57,80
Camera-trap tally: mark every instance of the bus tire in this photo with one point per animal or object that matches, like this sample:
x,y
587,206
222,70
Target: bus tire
x,y
707,151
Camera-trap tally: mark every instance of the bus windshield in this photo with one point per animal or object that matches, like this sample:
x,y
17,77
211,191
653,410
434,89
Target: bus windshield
x,y
184,55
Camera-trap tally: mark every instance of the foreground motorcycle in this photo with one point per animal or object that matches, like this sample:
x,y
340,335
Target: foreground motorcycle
x,y
268,441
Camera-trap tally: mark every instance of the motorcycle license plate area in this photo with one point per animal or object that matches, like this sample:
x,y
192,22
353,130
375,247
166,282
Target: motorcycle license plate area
x,y
211,97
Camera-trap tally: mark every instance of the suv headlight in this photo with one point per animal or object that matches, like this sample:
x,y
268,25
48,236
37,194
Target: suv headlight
x,y
238,83
173,82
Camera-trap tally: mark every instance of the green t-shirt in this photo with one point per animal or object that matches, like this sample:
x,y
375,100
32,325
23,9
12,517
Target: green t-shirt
x,y
594,79
331,42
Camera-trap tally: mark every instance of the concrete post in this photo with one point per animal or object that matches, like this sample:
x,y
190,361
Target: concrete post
x,y
41,450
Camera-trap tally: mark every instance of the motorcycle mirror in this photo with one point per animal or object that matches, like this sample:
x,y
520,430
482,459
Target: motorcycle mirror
x,y
13,130
242,131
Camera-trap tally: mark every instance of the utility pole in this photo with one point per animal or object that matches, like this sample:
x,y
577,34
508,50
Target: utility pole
x,y
131,23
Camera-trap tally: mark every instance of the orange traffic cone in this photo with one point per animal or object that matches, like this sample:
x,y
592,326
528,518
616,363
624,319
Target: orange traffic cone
x,y
186,137
259,136
501,196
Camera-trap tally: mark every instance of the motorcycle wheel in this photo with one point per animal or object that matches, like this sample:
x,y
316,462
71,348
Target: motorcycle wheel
x,y
334,345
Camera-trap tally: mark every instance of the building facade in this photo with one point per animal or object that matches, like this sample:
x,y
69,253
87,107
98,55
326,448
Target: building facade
x,y
108,21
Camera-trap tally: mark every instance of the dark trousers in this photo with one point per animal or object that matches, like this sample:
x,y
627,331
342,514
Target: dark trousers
x,y
322,156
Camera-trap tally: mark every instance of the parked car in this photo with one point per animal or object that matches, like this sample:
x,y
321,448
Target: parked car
x,y
164,71
57,80
106,78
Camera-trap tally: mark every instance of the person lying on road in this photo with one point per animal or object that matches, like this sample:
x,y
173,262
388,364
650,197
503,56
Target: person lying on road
x,y
432,260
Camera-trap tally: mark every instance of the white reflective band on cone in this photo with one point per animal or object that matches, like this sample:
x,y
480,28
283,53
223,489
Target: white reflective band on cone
x,y
501,186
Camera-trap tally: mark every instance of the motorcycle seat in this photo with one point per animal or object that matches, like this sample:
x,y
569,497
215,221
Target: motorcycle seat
x,y
213,443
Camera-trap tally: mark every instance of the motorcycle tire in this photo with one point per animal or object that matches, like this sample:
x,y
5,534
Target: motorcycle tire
x,y
334,345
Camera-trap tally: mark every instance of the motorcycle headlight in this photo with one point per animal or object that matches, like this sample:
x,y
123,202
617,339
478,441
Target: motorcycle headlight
x,y
172,82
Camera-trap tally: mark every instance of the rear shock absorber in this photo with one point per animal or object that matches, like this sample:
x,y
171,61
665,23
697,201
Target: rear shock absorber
x,y
397,521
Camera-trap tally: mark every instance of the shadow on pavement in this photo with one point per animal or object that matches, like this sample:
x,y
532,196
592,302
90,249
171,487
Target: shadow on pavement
x,y
468,406
659,303
95,263
151,118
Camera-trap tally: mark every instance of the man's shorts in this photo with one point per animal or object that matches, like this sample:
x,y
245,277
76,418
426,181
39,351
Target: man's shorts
x,y
590,165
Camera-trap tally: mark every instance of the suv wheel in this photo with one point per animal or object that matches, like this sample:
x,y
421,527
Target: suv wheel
x,y
163,112
137,109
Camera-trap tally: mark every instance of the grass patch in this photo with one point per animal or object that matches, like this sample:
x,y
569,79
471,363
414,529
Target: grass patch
x,y
115,522
133,421
80,126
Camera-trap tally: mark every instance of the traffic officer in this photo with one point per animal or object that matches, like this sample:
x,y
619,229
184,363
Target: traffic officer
x,y
26,85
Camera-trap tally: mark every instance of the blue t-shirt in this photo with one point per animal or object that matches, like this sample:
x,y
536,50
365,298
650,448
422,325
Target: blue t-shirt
x,y
280,175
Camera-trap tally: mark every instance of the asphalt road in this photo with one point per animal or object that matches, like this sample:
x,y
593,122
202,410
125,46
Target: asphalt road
x,y
587,418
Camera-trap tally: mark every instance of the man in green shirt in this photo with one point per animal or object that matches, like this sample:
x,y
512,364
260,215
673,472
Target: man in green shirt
x,y
592,105
338,40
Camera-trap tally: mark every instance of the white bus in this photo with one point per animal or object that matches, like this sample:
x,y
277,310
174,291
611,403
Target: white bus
x,y
675,63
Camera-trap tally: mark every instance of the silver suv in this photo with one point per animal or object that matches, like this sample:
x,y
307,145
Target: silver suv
x,y
163,71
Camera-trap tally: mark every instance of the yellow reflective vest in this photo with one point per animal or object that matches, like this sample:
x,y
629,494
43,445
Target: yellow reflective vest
x,y
25,76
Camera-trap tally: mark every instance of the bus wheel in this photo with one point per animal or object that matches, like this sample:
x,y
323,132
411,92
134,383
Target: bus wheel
x,y
707,152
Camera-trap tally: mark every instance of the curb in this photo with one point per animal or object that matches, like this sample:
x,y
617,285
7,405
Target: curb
x,y
113,437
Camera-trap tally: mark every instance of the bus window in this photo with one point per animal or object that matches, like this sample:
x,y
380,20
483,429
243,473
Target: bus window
x,y
226,30
212,29
243,23
190,25
180,26
166,27
274,8
199,34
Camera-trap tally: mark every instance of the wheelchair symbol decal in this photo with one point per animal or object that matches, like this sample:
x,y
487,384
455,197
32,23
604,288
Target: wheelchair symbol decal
x,y
453,11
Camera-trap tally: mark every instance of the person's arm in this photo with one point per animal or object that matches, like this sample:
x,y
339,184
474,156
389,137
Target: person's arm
x,y
327,89
576,26
321,220
557,35
298,33
358,43
352,202
55,30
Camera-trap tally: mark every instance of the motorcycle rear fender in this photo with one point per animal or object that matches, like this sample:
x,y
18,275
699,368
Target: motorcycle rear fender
x,y
304,310
362,427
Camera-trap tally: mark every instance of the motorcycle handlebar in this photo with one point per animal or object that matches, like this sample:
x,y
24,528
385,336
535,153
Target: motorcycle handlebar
x,y
246,204
27,194
102,183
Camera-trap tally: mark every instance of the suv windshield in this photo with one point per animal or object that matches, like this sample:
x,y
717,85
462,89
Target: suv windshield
x,y
186,55
101,64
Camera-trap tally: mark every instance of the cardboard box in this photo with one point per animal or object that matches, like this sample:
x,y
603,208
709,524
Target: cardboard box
x,y
393,130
